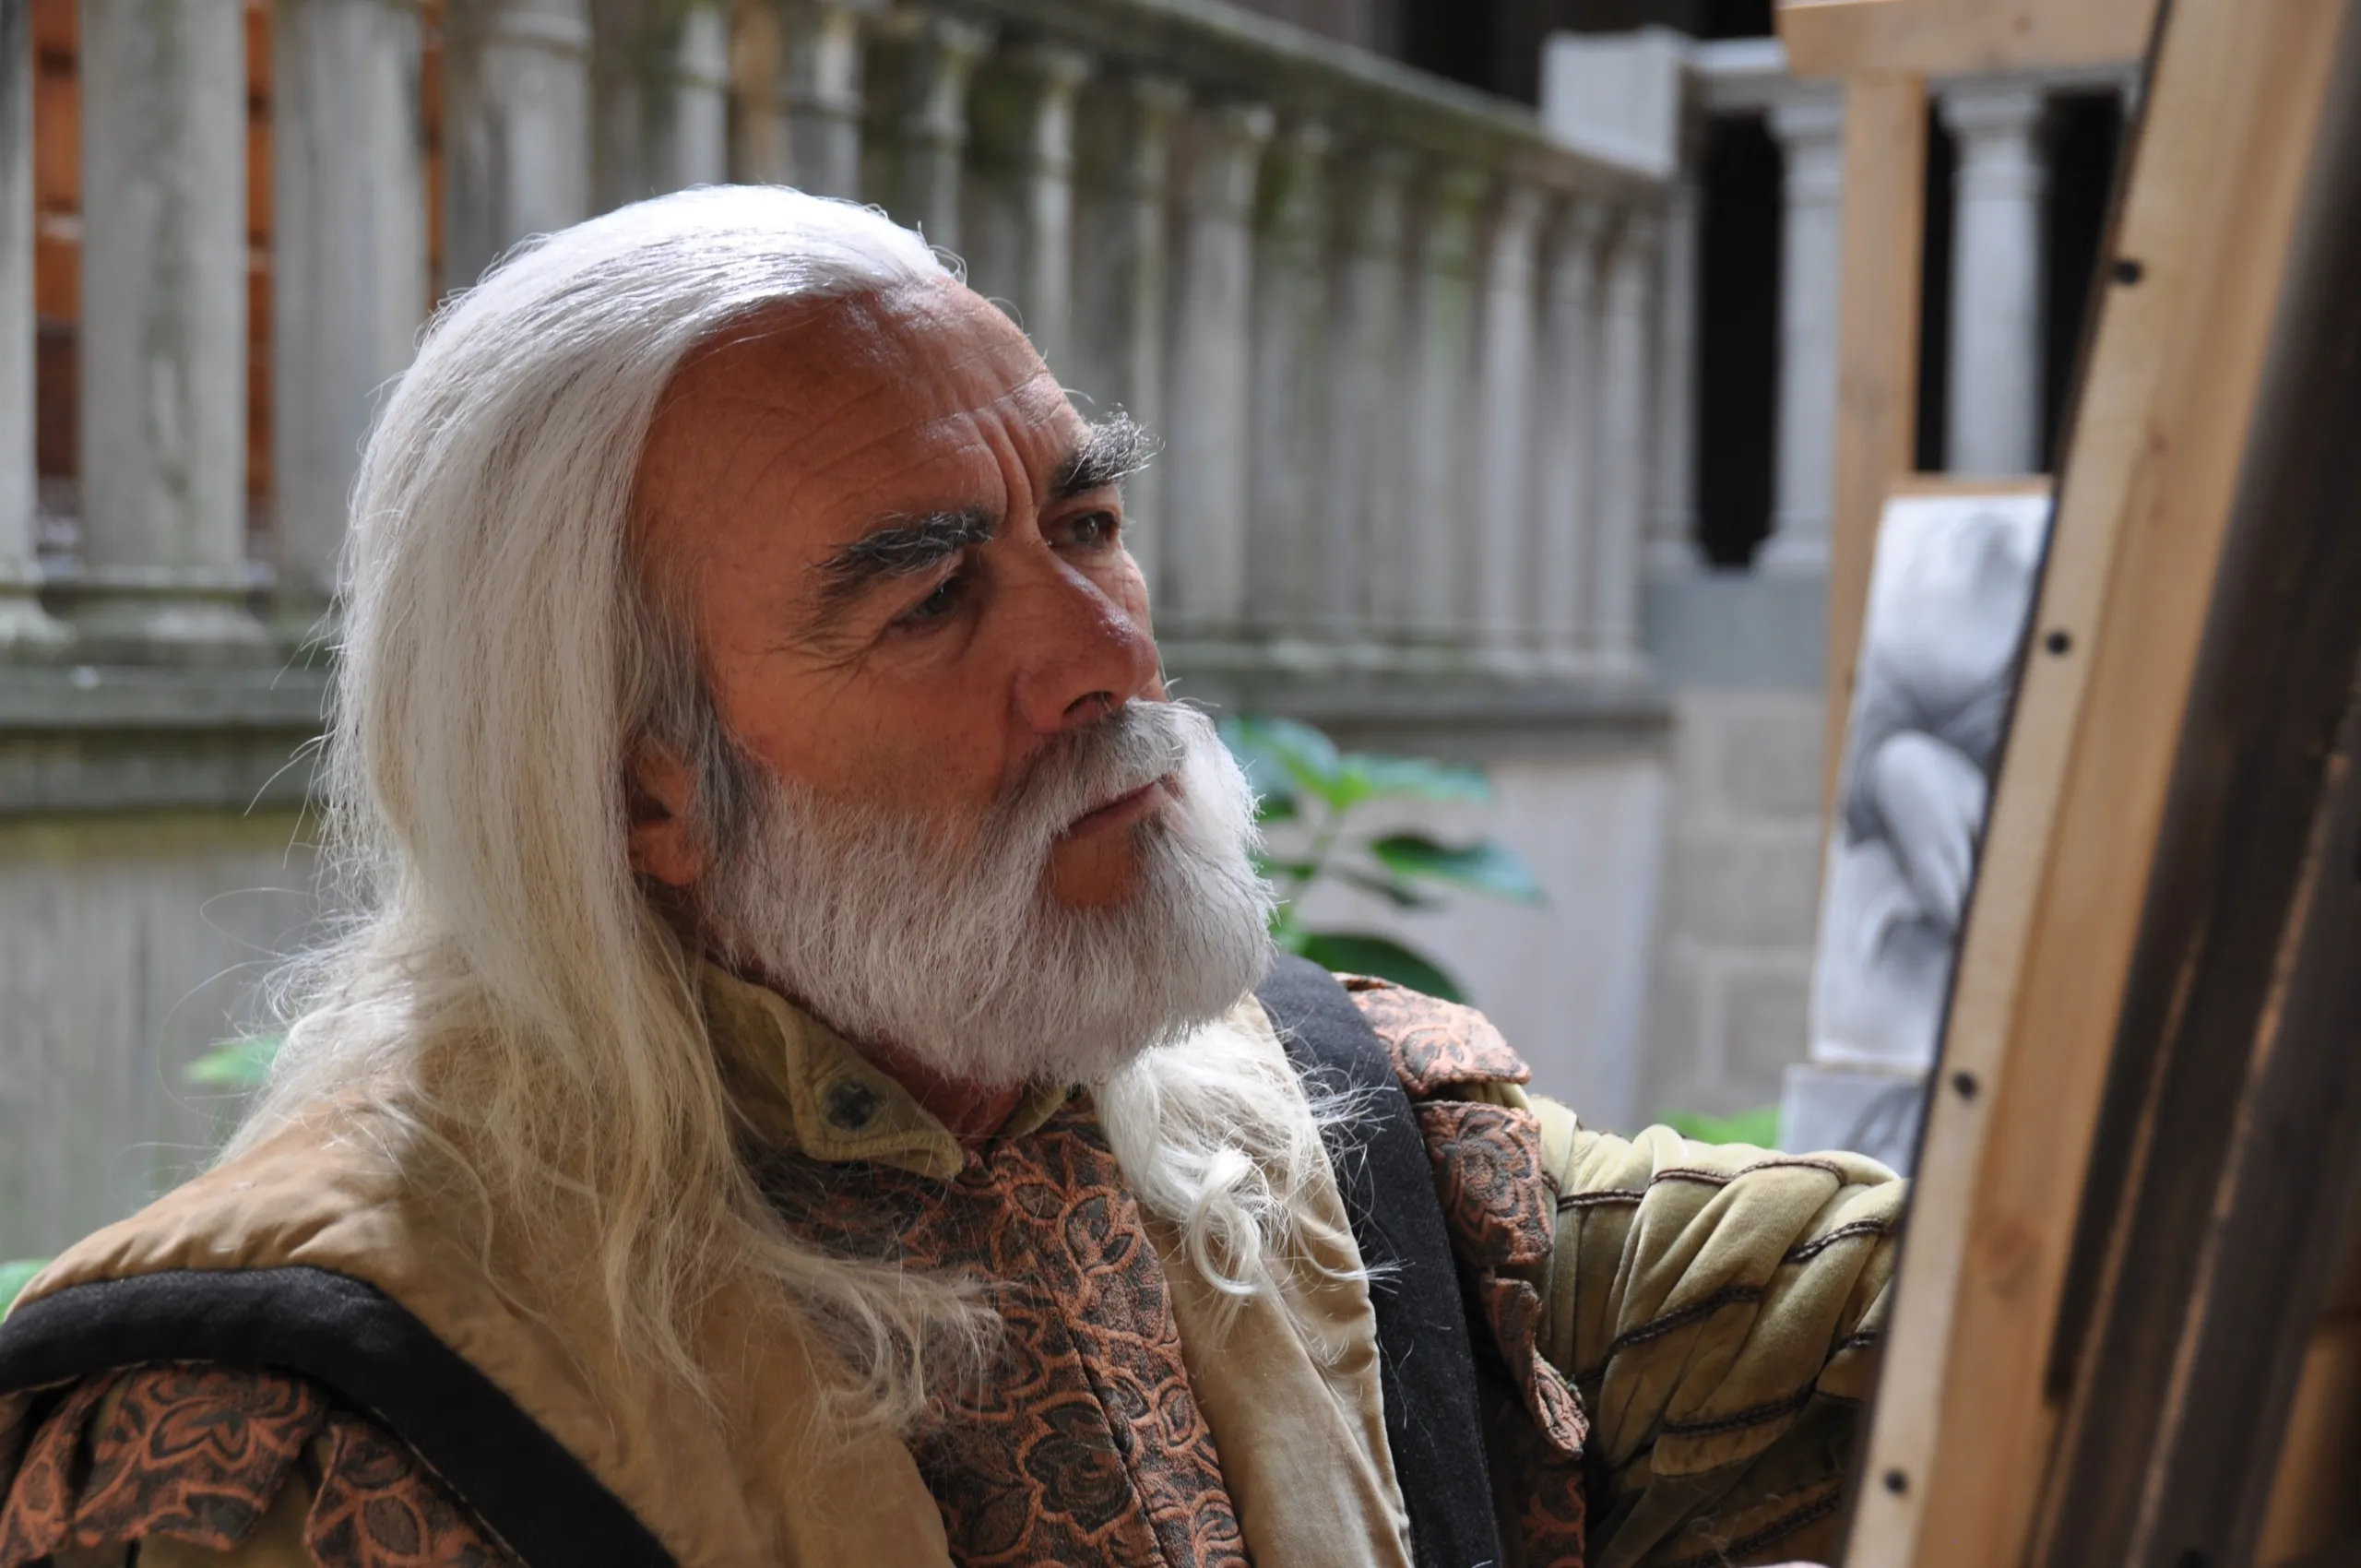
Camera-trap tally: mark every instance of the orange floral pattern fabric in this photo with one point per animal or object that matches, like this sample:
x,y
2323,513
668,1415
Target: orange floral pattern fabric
x,y
1086,1445
378,1506
194,1453
1434,1044
198,1453
1499,1206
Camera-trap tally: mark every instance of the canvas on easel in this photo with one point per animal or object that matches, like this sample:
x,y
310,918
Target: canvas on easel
x,y
1950,588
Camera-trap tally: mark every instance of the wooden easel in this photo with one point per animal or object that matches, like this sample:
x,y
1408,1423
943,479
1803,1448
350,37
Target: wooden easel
x,y
2137,1189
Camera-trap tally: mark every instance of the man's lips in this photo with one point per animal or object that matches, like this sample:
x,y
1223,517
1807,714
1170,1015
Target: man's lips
x,y
1124,809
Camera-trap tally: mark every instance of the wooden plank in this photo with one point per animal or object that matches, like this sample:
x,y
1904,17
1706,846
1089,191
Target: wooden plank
x,y
2225,1163
1876,373
1962,1435
2313,1504
1949,38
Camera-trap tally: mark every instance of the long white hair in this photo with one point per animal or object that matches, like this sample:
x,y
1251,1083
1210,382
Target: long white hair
x,y
506,997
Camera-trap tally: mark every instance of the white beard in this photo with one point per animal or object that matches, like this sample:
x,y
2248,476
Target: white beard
x,y
948,945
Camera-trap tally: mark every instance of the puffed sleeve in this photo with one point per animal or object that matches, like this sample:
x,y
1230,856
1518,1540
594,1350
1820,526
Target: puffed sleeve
x,y
1718,1309
1688,1330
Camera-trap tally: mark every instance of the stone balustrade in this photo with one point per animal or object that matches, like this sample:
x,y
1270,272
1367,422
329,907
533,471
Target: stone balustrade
x,y
1399,345
1996,266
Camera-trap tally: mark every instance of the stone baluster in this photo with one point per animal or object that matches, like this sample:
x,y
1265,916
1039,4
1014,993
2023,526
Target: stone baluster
x,y
1442,597
1565,509
1503,536
1366,519
921,100
1626,293
22,622
1206,489
1122,298
349,284
516,127
163,339
820,44
1018,221
1809,126
1672,491
663,108
1994,404
1286,564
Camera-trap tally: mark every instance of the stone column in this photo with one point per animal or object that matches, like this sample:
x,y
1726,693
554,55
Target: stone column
x,y
1121,300
1442,597
925,120
1565,505
1623,382
1019,205
1365,520
349,284
663,107
1285,564
820,94
22,623
1206,493
516,127
1810,129
1505,538
163,459
1995,384
1672,491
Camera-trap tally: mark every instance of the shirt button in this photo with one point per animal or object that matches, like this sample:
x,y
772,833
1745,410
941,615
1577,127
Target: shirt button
x,y
852,1104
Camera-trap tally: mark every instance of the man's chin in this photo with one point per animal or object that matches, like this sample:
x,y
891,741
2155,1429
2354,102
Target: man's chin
x,y
1107,869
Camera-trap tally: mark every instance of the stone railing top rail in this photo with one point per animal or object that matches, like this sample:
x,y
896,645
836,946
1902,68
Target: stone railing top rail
x,y
1221,50
1742,76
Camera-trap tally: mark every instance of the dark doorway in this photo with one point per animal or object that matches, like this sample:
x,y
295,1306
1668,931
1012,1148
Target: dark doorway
x,y
1737,337
2085,135
1935,300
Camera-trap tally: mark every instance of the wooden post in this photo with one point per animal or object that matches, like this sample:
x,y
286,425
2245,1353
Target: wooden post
x,y
1877,374
1961,1447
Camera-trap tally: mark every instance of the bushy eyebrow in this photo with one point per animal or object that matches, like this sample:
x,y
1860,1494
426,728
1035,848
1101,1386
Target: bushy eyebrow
x,y
899,548
1109,453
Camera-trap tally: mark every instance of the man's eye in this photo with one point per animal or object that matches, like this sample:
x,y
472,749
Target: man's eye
x,y
1095,528
940,602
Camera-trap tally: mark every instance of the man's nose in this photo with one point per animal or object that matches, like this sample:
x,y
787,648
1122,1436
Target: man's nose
x,y
1082,655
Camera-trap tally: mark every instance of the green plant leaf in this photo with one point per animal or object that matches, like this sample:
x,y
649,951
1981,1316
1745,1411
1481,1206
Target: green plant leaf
x,y
15,1274
241,1064
1484,866
1417,778
1400,894
1271,868
1360,952
1273,807
1281,758
1759,1127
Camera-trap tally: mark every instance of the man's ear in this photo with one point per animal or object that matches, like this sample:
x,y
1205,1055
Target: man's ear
x,y
663,843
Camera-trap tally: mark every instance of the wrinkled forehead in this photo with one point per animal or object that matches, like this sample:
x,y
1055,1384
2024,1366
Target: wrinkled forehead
x,y
815,384
792,433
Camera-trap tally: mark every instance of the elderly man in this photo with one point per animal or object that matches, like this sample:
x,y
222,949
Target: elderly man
x,y
806,1081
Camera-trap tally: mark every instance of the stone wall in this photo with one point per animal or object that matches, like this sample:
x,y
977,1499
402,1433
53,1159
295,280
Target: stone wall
x,y
129,946
1566,982
1733,955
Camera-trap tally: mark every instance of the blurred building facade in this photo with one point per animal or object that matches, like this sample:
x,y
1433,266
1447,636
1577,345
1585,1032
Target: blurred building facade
x,y
1496,415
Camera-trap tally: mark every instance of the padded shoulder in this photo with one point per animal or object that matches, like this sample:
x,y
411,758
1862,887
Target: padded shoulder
x,y
318,1252
89,1476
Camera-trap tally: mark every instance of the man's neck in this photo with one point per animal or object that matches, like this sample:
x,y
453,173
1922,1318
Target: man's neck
x,y
973,1112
